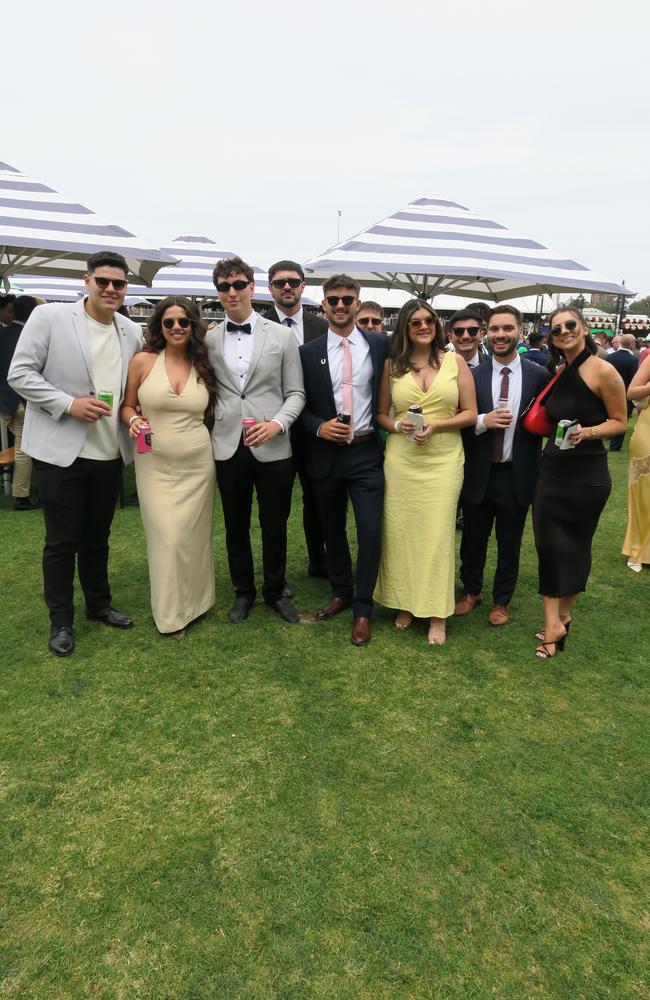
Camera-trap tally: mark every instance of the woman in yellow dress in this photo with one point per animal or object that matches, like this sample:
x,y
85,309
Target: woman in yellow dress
x,y
172,382
423,468
637,537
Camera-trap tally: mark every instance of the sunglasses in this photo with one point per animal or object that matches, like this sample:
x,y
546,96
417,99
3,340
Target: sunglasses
x,y
291,282
119,284
239,285
369,321
570,325
333,300
183,322
471,331
429,321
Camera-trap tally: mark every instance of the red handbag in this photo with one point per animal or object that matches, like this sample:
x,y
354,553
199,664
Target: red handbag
x,y
534,419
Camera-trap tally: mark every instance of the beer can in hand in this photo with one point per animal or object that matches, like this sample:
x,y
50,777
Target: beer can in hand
x,y
562,431
415,415
105,396
247,425
143,440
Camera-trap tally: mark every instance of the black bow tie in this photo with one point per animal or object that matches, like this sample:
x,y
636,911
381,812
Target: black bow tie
x,y
233,327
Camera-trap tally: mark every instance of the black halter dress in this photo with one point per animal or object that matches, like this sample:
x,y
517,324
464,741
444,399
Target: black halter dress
x,y
572,488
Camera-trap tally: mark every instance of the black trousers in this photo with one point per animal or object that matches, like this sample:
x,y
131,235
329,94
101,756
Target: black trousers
x,y
272,482
78,507
311,522
499,508
358,473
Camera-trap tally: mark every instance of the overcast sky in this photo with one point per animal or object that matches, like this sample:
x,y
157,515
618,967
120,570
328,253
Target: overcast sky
x,y
254,123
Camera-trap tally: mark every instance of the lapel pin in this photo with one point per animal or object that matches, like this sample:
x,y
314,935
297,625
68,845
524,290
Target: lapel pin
x,y
323,361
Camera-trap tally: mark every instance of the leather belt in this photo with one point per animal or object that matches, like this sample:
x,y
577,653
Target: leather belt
x,y
363,438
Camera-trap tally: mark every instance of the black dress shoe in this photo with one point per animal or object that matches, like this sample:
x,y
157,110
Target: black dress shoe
x,y
287,592
111,617
239,611
61,640
24,503
318,571
285,609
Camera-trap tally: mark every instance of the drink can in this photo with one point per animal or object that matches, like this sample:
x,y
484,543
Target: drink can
x,y
344,417
416,416
562,434
247,425
143,440
105,396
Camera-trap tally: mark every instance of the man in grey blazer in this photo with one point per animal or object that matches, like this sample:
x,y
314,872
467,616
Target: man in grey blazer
x,y
67,355
259,377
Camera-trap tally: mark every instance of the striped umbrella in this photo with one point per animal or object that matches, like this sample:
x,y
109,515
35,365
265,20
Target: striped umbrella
x,y
43,233
433,247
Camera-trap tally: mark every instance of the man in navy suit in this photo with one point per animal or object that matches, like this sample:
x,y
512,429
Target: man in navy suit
x,y
342,370
501,465
626,363
286,285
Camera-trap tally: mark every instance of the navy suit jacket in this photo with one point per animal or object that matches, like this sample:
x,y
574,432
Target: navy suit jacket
x,y
319,397
526,448
626,365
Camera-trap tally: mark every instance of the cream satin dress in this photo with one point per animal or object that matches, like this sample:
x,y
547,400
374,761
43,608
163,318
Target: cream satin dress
x,y
176,484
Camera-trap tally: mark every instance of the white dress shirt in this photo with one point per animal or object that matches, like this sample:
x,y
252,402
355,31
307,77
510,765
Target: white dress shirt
x,y
362,417
514,401
296,324
238,348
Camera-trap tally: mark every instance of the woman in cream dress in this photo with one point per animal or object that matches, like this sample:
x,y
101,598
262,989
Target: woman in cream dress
x,y
637,537
423,475
173,384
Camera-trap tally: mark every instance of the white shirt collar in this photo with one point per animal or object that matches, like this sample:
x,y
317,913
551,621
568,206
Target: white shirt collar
x,y
252,319
510,365
282,315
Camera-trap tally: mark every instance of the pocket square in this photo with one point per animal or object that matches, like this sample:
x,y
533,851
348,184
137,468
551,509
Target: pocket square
x,y
272,348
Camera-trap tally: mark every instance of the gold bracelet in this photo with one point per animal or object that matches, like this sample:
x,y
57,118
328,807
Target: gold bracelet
x,y
593,432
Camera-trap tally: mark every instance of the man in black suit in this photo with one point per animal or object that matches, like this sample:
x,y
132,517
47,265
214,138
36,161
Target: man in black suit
x,y
501,464
626,363
286,285
465,329
342,370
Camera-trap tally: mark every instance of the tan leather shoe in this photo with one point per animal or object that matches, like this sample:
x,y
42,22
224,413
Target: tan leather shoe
x,y
361,633
467,603
499,614
335,606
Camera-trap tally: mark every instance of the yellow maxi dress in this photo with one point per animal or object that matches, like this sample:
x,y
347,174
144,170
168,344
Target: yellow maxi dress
x,y
423,483
176,484
637,536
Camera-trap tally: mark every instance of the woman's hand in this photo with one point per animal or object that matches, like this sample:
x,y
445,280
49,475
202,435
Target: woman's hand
x,y
136,425
405,425
578,436
421,437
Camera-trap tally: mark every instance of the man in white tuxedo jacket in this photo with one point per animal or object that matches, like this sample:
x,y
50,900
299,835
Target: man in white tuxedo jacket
x,y
259,376
65,356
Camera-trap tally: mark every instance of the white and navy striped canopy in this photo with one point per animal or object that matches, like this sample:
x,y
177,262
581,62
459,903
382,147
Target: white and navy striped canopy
x,y
433,247
41,232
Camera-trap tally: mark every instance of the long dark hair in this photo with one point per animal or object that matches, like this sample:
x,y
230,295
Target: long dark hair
x,y
556,356
400,347
197,352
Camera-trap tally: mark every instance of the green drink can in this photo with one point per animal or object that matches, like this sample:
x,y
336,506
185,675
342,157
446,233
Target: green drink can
x,y
105,396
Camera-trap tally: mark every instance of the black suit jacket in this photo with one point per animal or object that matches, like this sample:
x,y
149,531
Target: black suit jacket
x,y
9,400
626,365
526,448
313,326
319,397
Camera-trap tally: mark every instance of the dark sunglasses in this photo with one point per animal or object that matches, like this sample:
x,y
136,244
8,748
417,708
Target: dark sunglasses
x,y
183,322
119,284
291,282
429,321
471,331
239,285
333,300
570,325
369,321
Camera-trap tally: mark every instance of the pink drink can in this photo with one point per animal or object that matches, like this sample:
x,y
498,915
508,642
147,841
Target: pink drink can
x,y
247,425
143,440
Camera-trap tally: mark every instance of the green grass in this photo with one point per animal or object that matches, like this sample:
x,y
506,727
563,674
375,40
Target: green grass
x,y
266,811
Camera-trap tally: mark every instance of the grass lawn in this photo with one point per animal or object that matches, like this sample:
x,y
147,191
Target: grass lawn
x,y
267,811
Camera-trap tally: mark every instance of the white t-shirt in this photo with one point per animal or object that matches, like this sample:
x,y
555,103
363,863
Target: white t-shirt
x,y
101,439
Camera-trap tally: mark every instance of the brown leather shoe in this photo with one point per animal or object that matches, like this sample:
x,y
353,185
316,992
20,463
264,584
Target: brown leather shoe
x,y
467,603
499,614
361,633
335,606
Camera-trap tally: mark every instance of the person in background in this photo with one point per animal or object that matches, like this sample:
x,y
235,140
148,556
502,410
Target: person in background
x,y
637,537
536,349
423,468
7,309
464,330
626,364
286,285
573,484
12,407
371,317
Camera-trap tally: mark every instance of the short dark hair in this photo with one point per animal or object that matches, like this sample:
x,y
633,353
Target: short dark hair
x,y
535,338
232,265
511,310
341,281
462,314
6,300
286,265
23,308
482,309
106,258
371,306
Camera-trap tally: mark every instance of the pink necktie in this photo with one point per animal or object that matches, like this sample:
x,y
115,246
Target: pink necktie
x,y
347,382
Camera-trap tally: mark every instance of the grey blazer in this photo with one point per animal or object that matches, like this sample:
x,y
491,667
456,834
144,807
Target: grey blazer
x,y
273,389
52,366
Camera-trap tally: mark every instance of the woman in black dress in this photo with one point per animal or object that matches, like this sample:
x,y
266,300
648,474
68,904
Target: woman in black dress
x,y
573,485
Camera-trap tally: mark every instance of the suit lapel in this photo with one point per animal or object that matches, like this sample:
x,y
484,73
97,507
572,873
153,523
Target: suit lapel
x,y
222,364
261,333
323,368
81,332
484,384
526,388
